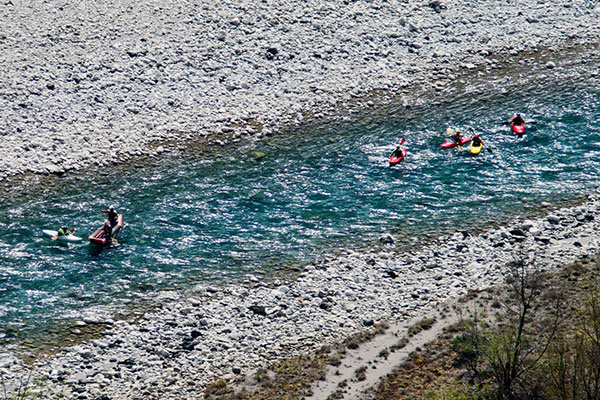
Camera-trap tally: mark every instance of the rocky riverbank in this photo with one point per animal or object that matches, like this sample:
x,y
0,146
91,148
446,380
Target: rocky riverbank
x,y
193,338
91,83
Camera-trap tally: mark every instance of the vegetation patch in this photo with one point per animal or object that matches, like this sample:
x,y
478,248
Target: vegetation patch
x,y
422,325
29,389
384,354
361,373
539,338
399,345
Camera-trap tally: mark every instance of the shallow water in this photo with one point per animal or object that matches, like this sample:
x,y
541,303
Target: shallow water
x,y
271,205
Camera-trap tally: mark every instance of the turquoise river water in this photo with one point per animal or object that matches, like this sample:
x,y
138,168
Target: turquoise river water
x,y
268,205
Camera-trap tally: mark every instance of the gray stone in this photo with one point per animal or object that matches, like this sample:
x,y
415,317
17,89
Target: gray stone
x,y
391,273
326,305
258,310
386,239
517,232
79,377
553,219
437,6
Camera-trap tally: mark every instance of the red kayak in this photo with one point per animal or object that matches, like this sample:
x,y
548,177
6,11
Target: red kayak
x,y
518,129
453,143
397,156
98,237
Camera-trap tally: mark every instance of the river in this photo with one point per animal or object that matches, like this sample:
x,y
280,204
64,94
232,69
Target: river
x,y
275,204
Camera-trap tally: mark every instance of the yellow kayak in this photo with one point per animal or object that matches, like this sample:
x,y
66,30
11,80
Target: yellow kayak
x,y
476,149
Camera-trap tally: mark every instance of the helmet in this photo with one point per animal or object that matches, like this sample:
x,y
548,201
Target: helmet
x,y
64,228
105,222
111,208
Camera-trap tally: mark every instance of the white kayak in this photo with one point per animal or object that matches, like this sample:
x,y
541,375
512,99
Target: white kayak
x,y
63,238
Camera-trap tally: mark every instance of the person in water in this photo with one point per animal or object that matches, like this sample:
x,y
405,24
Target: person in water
x,y
113,216
64,231
107,231
517,120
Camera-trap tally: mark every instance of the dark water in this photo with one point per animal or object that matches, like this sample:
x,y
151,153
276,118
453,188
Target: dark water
x,y
271,205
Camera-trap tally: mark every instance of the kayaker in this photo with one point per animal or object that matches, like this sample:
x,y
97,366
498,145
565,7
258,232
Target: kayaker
x,y
113,216
476,139
398,152
64,231
517,120
107,231
457,136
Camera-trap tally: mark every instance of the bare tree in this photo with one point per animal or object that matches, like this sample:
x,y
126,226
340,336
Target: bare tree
x,y
531,315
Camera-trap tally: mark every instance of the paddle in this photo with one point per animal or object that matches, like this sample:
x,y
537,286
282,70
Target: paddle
x,y
115,240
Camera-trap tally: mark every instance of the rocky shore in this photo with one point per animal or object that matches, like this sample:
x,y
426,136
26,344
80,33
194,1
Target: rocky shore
x,y
91,83
196,337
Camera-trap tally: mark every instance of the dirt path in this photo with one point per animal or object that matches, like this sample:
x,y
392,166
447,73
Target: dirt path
x,y
343,379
